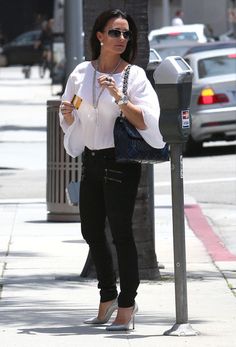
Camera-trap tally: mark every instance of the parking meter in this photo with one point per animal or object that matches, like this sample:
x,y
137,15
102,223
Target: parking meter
x,y
173,85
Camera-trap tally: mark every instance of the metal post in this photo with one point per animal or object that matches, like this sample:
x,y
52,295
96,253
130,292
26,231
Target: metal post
x,y
181,327
73,18
165,12
151,201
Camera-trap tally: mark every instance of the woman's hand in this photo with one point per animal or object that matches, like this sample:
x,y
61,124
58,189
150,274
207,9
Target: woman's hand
x,y
109,83
132,113
66,109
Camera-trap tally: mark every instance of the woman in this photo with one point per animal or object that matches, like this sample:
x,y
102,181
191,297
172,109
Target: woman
x,y
108,188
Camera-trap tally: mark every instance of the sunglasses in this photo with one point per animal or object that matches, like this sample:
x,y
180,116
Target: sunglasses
x,y
115,33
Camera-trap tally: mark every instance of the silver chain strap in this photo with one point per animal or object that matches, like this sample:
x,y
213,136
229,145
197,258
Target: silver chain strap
x,y
125,83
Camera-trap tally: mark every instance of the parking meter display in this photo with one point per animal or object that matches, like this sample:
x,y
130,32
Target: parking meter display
x,y
184,66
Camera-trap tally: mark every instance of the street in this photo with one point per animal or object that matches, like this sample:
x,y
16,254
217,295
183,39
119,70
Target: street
x,y
211,179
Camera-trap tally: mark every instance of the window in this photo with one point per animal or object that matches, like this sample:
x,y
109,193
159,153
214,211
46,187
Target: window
x,y
216,66
189,36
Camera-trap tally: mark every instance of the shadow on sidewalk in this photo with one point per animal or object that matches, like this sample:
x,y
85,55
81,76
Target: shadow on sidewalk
x,y
142,320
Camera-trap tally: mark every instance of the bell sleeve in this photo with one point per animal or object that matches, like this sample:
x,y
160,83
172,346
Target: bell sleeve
x,y
73,134
142,94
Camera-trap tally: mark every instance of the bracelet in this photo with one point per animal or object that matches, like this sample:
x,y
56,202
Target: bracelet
x,y
123,100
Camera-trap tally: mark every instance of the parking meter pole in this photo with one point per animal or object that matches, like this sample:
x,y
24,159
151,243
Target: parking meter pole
x,y
173,78
178,233
181,327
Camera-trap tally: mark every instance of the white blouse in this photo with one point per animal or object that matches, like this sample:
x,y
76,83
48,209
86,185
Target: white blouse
x,y
92,127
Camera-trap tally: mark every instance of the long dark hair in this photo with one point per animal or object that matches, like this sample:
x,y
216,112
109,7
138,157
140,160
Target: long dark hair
x,y
131,49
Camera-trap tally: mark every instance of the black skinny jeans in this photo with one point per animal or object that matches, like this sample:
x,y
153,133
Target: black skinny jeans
x,y
109,189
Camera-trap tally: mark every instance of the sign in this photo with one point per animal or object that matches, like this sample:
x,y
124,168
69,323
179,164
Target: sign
x,y
185,119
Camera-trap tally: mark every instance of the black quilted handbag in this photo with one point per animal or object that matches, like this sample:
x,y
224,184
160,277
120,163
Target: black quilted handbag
x,y
130,145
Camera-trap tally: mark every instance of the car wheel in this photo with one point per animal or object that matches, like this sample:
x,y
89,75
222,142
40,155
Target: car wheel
x,y
26,71
192,147
3,60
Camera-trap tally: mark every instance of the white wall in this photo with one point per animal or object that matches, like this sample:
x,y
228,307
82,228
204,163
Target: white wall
x,y
155,12
211,12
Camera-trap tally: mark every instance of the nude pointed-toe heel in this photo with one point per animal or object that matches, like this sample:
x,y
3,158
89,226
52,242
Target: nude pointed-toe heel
x,y
124,327
107,316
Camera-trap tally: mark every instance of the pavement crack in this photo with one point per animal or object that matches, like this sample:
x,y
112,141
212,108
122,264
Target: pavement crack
x,y
8,249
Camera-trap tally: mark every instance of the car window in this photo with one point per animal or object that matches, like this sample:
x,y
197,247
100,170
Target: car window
x,y
153,56
189,36
187,61
216,66
26,38
23,39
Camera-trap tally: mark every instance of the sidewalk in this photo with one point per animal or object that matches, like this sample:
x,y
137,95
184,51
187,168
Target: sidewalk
x,y
44,301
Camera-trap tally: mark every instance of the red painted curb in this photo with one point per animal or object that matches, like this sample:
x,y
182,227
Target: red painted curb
x,y
213,244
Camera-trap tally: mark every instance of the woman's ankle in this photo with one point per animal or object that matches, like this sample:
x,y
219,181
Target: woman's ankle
x,y
123,315
103,307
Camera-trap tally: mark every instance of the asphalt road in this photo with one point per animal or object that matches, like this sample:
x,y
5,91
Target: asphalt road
x,y
209,177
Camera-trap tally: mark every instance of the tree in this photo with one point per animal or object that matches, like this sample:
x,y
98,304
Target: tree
x,y
143,220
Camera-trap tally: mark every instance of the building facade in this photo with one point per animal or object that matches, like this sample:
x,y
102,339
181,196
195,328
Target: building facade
x,y
25,14
17,16
213,13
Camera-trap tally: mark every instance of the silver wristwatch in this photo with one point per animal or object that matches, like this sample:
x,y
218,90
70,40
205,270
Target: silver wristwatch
x,y
123,100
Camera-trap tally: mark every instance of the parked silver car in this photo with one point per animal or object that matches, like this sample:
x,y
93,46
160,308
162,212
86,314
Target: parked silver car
x,y
169,48
213,102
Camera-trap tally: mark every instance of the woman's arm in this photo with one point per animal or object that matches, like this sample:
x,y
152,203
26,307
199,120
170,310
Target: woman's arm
x,y
66,109
132,112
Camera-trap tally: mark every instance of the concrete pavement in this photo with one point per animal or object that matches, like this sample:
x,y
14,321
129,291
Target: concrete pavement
x,y
43,299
